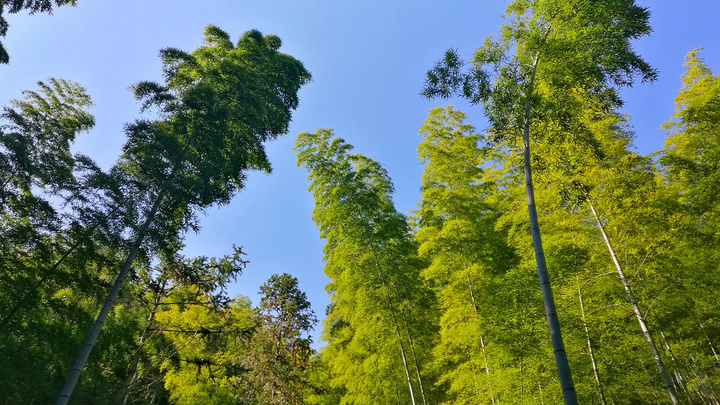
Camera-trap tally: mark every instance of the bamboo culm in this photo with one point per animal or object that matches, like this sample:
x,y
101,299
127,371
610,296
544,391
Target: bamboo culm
x,y
417,364
596,372
561,361
80,361
631,297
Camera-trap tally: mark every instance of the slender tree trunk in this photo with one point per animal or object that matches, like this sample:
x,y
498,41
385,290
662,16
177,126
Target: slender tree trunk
x,y
399,339
707,338
404,359
561,361
596,372
74,375
389,303
417,364
641,320
482,341
677,377
709,397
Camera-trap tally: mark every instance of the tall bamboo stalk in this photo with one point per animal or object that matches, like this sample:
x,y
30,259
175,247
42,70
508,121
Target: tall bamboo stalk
x,y
80,361
596,372
482,341
417,364
561,361
404,359
640,318
707,338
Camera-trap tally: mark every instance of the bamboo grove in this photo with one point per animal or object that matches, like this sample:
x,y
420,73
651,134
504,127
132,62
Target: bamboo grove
x,y
440,305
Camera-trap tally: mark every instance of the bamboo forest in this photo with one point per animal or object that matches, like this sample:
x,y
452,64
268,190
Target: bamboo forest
x,y
547,259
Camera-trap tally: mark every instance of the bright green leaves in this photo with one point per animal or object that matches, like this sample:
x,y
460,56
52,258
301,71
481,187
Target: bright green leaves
x,y
535,81
377,324
691,152
580,42
468,256
558,48
348,189
198,349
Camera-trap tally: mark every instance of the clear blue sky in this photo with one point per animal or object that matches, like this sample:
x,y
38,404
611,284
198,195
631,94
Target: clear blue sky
x,y
368,59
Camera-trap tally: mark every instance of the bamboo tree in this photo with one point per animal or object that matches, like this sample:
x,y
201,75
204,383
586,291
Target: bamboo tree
x,y
370,260
75,371
636,309
404,360
596,372
455,227
189,160
57,231
415,360
691,176
558,47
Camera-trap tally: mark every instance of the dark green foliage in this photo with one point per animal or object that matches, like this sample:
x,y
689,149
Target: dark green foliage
x,y
285,308
279,354
211,129
217,106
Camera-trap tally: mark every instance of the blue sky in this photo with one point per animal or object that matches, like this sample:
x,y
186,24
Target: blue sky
x,y
368,59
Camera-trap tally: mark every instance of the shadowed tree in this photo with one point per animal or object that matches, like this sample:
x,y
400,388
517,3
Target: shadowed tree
x,y
279,354
216,108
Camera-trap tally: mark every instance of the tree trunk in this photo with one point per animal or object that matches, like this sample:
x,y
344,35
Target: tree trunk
x,y
596,372
417,364
641,320
482,342
707,338
74,375
561,361
404,359
678,379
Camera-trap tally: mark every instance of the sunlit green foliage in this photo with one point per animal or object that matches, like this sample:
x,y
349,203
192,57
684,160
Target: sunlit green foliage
x,y
377,324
